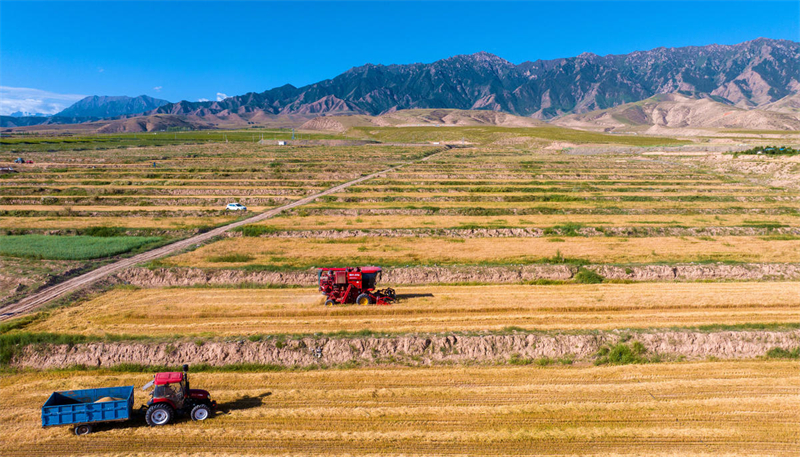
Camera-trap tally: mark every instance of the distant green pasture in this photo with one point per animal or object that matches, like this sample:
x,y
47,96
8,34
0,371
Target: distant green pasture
x,y
80,247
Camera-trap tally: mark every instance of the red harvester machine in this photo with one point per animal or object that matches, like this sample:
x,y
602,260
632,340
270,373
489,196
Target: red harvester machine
x,y
353,285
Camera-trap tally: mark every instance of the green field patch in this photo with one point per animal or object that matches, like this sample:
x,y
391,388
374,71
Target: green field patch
x,y
781,237
231,258
79,247
488,134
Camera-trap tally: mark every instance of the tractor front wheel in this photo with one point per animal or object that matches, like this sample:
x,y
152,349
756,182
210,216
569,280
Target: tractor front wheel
x,y
159,414
200,413
329,302
83,429
364,300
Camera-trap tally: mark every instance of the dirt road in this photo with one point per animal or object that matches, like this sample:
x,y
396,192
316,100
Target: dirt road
x,y
38,299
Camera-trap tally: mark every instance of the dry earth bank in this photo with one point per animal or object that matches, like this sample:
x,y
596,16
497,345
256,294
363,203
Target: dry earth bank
x,y
185,277
414,350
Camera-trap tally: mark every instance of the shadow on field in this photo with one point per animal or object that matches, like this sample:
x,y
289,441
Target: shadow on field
x,y
136,420
246,402
403,296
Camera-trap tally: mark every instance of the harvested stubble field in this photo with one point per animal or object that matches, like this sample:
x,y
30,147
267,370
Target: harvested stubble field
x,y
706,408
230,312
290,253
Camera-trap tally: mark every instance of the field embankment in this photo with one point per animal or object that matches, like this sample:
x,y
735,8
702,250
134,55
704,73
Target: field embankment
x,y
519,348
188,277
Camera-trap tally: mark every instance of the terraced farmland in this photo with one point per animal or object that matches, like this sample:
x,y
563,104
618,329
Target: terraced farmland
x,y
488,186
494,206
186,185
169,193
708,408
516,249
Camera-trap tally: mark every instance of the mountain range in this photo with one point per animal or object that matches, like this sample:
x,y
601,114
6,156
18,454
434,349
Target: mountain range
x,y
761,73
103,106
87,109
750,74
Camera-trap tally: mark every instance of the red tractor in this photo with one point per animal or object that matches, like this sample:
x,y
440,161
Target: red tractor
x,y
172,395
353,285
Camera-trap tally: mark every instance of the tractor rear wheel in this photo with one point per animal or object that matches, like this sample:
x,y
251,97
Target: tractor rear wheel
x,y
200,413
159,414
83,429
364,300
329,302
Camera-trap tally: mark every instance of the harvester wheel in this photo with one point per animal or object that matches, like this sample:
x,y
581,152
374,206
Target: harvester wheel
x,y
364,300
83,429
329,302
200,413
159,414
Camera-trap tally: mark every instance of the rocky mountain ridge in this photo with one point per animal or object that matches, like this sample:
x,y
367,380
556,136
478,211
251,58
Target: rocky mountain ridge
x,y
751,74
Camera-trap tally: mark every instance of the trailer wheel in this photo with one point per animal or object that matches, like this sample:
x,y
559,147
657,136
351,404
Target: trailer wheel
x,y
84,429
329,302
159,414
200,413
364,300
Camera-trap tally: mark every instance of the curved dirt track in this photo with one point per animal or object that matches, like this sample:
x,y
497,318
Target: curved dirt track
x,y
38,299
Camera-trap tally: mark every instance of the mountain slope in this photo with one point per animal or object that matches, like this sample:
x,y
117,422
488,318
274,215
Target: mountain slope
x,y
27,121
749,74
679,111
102,106
787,105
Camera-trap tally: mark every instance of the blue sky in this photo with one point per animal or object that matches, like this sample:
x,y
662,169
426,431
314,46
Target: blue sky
x,y
186,50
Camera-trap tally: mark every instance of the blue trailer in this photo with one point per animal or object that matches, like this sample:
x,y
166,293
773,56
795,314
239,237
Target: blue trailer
x,y
84,408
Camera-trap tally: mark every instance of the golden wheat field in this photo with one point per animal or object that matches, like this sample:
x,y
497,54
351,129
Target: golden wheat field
x,y
429,309
705,408
309,252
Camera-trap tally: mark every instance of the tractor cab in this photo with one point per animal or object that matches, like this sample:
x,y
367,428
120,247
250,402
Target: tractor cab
x,y
172,395
170,387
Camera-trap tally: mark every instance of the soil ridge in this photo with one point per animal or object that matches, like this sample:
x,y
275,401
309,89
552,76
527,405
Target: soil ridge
x,y
417,350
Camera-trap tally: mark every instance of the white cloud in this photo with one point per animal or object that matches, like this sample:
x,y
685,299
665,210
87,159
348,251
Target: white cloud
x,y
32,101
202,99
158,88
221,96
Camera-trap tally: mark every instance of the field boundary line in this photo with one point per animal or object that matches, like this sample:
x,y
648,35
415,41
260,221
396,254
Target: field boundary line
x,y
38,299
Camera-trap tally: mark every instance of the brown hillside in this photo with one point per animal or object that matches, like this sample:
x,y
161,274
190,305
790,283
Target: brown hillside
x,y
679,111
